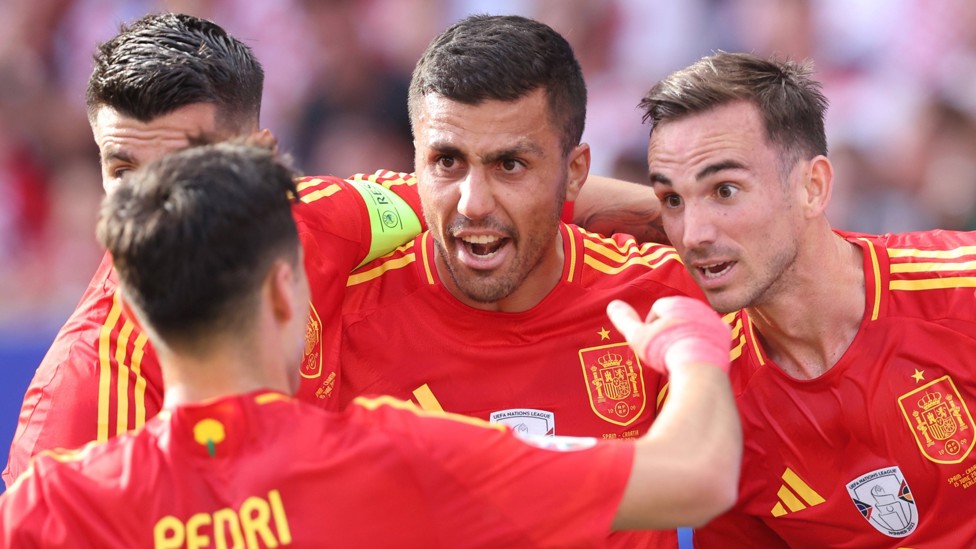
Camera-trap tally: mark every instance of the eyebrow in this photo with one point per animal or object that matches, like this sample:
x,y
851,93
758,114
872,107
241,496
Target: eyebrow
x,y
117,155
492,157
518,150
711,169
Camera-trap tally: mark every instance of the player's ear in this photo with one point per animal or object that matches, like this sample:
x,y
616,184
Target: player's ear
x,y
263,138
817,185
579,169
282,289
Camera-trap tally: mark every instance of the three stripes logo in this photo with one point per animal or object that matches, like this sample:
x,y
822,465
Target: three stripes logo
x,y
794,495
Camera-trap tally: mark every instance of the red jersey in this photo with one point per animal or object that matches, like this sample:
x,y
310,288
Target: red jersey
x,y
380,474
559,368
878,451
101,377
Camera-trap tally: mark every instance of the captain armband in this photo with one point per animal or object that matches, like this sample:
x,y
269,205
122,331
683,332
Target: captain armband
x,y
392,222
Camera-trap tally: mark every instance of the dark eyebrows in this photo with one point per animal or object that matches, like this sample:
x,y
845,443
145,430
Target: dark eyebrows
x,y
521,149
192,139
711,169
117,155
446,149
659,179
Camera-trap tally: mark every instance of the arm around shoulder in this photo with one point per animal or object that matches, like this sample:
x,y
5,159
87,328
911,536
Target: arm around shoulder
x,y
609,206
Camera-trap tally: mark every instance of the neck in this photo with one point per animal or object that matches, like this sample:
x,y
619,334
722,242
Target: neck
x,y
226,367
808,326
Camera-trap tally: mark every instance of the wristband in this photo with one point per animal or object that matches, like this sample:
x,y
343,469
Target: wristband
x,y
698,334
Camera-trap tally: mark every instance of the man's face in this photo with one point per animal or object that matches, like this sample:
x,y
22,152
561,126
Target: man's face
x,y
492,179
724,206
126,143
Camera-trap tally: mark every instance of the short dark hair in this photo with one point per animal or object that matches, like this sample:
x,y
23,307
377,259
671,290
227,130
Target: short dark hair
x,y
790,102
194,233
163,62
498,57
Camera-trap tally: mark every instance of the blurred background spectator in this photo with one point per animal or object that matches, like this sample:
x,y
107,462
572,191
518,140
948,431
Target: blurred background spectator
x,y
900,75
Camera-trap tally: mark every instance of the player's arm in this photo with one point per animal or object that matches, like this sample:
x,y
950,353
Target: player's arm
x,y
100,378
686,468
608,206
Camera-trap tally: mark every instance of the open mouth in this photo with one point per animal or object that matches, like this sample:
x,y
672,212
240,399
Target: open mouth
x,y
715,270
484,246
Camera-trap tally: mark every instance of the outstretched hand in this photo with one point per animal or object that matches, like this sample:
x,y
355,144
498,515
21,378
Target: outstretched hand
x,y
677,331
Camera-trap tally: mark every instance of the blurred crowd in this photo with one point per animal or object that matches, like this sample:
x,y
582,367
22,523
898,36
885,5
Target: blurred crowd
x,y
900,76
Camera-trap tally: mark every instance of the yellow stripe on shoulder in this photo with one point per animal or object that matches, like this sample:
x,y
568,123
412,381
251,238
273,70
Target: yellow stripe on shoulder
x,y
610,252
933,267
738,337
954,253
271,396
934,283
105,368
386,264
662,396
593,261
614,252
374,403
330,190
387,178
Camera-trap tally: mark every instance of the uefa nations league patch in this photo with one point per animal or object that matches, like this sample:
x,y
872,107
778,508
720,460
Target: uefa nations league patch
x,y
527,421
885,501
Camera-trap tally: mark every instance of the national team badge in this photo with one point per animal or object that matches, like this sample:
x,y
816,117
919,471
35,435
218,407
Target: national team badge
x,y
940,421
527,422
615,382
312,361
884,499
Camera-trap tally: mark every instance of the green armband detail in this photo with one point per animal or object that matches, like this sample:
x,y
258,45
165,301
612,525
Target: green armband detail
x,y
392,222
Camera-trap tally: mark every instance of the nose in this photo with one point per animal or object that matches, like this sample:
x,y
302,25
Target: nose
x,y
696,226
477,195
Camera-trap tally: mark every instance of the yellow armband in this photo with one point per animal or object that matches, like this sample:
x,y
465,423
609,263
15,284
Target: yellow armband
x,y
392,222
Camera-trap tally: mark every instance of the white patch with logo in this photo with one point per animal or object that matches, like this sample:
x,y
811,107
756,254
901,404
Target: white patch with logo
x,y
559,444
527,422
884,499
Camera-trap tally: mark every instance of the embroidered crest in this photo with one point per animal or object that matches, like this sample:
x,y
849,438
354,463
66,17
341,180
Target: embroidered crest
x,y
614,382
526,421
940,421
312,360
884,499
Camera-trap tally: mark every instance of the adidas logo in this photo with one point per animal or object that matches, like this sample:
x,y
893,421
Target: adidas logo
x,y
794,495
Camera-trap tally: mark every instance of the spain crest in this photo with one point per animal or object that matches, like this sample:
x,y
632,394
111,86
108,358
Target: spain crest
x,y
939,420
614,382
312,360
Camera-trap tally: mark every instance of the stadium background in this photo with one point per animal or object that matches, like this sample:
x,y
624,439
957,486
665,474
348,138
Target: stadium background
x,y
900,76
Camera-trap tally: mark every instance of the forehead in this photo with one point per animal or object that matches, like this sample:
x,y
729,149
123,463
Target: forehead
x,y
119,135
487,126
733,131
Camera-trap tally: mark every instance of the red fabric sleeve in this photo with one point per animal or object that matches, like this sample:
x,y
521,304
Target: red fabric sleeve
x,y
496,489
100,378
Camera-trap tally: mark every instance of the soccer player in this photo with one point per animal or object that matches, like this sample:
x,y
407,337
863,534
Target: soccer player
x,y
498,311
852,353
209,262
165,82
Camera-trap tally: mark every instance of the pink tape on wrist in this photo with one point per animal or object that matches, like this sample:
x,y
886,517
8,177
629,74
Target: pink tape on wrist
x,y
698,336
